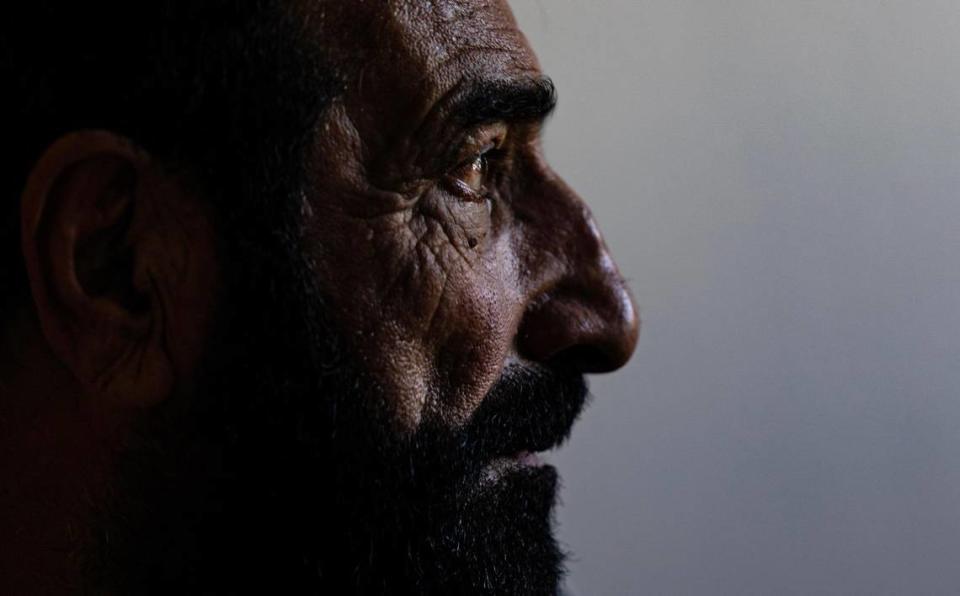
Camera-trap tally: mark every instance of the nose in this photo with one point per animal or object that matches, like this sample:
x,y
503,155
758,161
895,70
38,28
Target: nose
x,y
579,311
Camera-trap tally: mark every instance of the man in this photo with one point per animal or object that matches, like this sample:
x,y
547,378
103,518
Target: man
x,y
292,300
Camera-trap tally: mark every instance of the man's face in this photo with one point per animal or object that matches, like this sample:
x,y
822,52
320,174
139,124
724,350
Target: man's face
x,y
445,244
392,350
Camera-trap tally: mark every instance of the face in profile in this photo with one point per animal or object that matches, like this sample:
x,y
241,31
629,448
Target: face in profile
x,y
370,305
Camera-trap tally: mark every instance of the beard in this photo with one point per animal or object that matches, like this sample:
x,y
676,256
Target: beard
x,y
278,470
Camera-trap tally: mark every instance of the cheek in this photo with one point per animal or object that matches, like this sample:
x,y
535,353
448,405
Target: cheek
x,y
430,319
470,357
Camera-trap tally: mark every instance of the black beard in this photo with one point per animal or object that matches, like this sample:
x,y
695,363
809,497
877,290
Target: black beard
x,y
278,471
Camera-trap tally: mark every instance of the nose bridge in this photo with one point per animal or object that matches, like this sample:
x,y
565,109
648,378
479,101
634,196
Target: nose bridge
x,y
580,309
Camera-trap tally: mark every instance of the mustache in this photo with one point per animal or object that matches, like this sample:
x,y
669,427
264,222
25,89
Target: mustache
x,y
531,408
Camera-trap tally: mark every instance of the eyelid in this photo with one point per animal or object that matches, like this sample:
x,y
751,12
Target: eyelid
x,y
466,193
484,139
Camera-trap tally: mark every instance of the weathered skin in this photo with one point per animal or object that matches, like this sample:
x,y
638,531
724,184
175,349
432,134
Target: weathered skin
x,y
436,287
433,315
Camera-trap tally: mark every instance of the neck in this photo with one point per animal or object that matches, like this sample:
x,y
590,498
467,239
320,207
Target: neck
x,y
55,460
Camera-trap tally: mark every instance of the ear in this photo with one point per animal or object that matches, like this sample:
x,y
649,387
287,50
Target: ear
x,y
98,248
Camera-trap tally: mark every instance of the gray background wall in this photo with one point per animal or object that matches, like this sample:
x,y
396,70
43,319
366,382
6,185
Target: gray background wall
x,y
779,179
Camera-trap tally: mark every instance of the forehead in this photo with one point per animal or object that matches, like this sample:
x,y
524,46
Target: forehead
x,y
434,36
418,35
405,55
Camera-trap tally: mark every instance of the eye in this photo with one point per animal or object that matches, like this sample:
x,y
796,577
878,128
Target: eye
x,y
474,174
470,178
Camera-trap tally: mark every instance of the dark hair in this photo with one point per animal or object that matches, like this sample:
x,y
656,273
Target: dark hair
x,y
226,90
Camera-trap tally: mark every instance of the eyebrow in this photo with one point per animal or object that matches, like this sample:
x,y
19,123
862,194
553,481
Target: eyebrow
x,y
511,101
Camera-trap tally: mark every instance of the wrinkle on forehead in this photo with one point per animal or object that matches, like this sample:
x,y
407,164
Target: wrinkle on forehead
x,y
416,37
438,29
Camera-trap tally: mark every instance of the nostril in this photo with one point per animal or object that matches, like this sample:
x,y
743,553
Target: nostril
x,y
586,359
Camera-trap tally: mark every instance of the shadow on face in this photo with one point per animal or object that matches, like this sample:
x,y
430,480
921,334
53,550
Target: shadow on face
x,y
321,342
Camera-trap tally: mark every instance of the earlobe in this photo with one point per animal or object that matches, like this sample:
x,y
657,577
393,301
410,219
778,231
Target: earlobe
x,y
86,268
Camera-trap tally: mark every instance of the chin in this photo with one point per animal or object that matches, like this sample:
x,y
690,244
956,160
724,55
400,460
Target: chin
x,y
499,538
